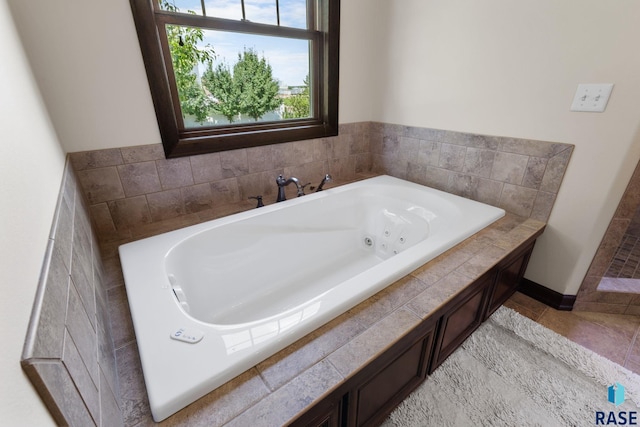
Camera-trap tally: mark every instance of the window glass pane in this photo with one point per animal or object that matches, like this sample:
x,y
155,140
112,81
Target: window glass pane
x,y
227,9
182,6
225,77
261,11
293,13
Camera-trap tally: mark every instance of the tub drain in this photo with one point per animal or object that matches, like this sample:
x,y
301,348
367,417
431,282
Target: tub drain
x,y
368,241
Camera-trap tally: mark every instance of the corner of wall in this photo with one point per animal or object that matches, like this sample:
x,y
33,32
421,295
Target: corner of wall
x,y
69,354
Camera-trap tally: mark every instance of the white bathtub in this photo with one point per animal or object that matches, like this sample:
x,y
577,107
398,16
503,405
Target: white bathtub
x,y
212,300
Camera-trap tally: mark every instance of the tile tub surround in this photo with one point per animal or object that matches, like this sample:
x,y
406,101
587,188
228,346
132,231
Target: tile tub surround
x,y
277,390
69,354
131,190
520,176
607,295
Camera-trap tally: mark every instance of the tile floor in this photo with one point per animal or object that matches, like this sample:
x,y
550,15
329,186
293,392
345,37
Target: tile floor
x,y
614,336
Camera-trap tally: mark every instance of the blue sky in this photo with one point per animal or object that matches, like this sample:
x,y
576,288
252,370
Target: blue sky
x,y
288,58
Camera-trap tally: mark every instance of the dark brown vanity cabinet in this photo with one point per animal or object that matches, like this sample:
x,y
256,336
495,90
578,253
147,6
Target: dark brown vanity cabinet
x,y
371,394
464,316
327,413
478,301
509,275
384,383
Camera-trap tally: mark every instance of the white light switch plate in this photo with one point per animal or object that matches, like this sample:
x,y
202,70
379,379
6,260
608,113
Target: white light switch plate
x,y
592,97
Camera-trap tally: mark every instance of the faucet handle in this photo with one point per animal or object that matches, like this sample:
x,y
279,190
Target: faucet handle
x,y
302,187
259,199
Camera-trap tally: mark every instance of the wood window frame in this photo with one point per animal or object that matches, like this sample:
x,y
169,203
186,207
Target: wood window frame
x,y
179,141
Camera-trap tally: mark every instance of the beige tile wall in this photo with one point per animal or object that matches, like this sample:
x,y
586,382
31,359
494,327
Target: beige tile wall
x,y
69,353
521,176
133,188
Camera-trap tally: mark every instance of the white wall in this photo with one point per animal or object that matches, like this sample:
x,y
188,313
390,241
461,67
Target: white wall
x,y
31,165
360,59
494,67
86,58
508,68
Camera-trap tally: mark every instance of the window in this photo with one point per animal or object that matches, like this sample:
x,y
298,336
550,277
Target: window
x,y
229,74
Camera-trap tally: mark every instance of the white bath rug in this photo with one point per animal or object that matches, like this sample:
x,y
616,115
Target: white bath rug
x,y
514,372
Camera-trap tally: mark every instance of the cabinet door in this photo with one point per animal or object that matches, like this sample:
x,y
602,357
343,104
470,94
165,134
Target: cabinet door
x,y
327,413
462,319
330,419
508,279
381,388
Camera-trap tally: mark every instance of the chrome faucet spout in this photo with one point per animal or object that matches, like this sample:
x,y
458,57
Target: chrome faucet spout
x,y
282,182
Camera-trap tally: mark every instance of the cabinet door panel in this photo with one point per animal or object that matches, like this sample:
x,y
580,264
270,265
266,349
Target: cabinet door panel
x,y
328,413
508,279
386,382
330,419
459,322
381,388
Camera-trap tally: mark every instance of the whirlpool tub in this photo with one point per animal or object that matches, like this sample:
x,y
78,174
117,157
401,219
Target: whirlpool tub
x,y
212,300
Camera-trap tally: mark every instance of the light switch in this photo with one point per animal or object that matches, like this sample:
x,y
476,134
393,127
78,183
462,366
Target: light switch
x,y
592,97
